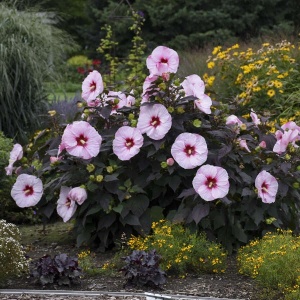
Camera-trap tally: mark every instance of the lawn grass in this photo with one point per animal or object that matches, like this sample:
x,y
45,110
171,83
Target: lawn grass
x,y
58,232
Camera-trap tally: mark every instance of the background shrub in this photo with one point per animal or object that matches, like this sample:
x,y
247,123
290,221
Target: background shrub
x,y
12,256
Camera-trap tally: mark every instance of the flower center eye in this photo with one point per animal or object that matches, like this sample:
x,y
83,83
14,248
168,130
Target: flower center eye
x,y
129,143
28,190
92,86
155,121
81,140
189,150
211,182
164,61
68,202
264,187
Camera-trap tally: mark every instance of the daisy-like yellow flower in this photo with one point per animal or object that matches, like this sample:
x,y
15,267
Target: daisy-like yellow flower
x,y
271,93
210,65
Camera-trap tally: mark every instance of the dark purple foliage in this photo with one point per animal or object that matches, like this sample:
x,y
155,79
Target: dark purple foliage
x,y
61,270
142,269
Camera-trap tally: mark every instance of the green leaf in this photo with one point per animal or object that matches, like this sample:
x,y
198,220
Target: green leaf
x,y
156,213
118,208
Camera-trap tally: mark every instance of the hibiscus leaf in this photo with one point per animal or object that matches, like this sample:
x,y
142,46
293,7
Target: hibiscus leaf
x,y
199,212
138,204
186,193
131,219
174,182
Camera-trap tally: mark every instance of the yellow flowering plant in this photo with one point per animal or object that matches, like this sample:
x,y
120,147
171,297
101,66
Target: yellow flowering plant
x,y
181,250
262,79
269,261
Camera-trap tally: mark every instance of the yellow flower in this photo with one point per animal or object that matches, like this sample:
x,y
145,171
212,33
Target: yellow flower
x,y
52,113
211,65
216,50
270,93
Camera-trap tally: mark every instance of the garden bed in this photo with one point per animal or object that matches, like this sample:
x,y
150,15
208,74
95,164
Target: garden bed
x,y
56,239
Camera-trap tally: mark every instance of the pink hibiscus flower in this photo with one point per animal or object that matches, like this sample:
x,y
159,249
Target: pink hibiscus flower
x,y
81,139
66,206
254,118
162,60
211,182
127,142
154,120
92,86
233,120
267,186
78,194
15,154
189,150
27,190
116,100
130,100
243,144
193,85
146,87
283,139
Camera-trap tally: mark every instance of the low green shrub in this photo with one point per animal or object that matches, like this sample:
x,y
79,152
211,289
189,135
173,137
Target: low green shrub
x,y
274,262
181,250
12,256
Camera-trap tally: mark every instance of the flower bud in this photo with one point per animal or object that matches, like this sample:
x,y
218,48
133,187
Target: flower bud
x,y
296,185
109,169
170,162
165,76
163,164
262,144
197,123
269,160
99,178
243,126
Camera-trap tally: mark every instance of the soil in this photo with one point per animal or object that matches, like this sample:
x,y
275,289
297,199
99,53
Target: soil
x,y
228,285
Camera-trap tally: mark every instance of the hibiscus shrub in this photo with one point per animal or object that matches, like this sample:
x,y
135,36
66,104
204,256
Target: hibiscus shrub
x,y
128,160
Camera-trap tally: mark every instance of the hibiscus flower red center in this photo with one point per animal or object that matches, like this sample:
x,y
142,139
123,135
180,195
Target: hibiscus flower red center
x,y
189,150
68,202
164,61
93,86
264,187
155,121
211,182
28,190
81,140
129,143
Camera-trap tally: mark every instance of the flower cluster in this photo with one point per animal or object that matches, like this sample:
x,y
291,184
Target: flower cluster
x,y
181,250
167,151
268,260
258,78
